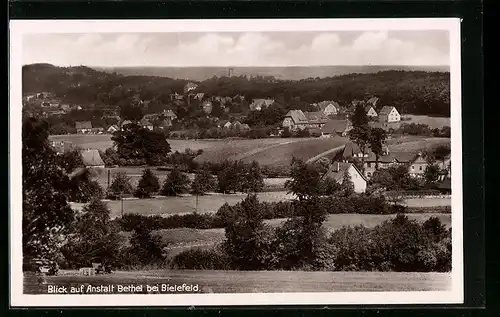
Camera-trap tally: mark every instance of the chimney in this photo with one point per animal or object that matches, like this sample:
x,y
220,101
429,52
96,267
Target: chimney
x,y
338,167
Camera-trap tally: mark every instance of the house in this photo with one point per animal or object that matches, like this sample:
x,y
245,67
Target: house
x,y
199,96
91,158
337,170
351,152
418,166
176,97
207,106
370,111
166,123
295,120
83,127
387,160
97,130
146,124
240,126
169,114
389,114
315,119
62,146
336,126
259,104
238,98
189,87
225,124
328,107
112,129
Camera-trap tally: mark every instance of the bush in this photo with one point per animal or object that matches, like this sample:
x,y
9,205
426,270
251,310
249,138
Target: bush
x,y
396,245
201,259
148,184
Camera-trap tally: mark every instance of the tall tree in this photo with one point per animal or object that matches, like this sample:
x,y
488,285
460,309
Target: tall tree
x,y
148,184
253,179
176,183
377,139
136,143
361,132
248,239
121,184
46,213
309,214
94,239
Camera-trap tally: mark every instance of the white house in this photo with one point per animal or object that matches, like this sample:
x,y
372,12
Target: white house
x,y
370,111
389,114
112,129
337,170
328,107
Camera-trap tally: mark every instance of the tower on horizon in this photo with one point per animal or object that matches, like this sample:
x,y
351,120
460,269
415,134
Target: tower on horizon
x,y
230,72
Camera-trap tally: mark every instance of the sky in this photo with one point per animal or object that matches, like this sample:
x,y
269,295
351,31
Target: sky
x,y
185,49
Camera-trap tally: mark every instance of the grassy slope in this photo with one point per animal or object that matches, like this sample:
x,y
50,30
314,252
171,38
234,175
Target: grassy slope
x,y
424,143
282,155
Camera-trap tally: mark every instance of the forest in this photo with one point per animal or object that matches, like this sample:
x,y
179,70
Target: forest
x,y
411,92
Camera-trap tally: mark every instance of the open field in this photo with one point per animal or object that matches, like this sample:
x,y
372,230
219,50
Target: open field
x,y
135,173
432,122
254,282
306,149
211,203
337,221
269,151
185,204
181,239
84,141
421,144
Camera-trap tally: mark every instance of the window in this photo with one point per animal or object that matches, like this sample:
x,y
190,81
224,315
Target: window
x,y
369,174
420,168
369,164
412,167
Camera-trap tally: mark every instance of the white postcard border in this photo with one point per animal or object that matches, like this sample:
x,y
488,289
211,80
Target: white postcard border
x,y
20,27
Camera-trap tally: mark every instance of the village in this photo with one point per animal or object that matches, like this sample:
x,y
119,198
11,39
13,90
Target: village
x,y
174,176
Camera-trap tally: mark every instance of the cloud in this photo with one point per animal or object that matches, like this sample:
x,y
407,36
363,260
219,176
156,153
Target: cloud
x,y
237,49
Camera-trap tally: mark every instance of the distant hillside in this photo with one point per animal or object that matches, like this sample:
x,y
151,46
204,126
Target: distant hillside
x,y
284,73
411,92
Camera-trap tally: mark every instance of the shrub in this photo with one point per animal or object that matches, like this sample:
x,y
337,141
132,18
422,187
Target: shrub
x,y
176,183
148,184
121,184
201,259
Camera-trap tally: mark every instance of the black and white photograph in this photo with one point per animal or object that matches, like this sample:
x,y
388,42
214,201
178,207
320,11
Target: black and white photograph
x,y
215,162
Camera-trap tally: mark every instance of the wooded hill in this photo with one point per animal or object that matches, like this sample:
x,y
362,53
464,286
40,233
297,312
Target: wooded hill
x,y
412,92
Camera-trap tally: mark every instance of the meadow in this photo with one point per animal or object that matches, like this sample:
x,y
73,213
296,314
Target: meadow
x,y
253,281
432,122
211,203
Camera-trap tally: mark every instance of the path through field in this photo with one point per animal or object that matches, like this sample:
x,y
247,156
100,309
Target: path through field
x,y
254,282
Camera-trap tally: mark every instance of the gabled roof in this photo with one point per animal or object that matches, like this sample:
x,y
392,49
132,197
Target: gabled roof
x,y
323,104
368,107
386,110
314,117
83,125
112,126
169,113
199,95
92,158
350,150
126,122
297,116
337,170
336,125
